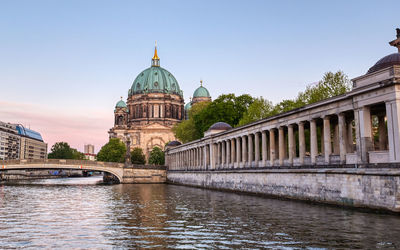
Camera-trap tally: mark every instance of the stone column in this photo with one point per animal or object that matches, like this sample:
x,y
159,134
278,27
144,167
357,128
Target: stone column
x,y
233,153
228,153
327,139
213,156
365,128
218,155
256,149
302,143
349,137
196,158
382,132
336,144
244,151
272,146
250,150
205,157
201,159
281,138
292,144
342,138
238,152
393,123
223,154
264,148
313,141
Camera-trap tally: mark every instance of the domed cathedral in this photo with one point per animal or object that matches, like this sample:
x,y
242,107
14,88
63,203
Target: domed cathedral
x,y
155,103
201,94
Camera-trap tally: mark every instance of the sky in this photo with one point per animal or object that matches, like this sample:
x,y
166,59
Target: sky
x,y
65,64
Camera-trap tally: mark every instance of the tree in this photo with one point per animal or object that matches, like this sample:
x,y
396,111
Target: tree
x,y
78,155
62,150
287,105
226,108
186,130
259,109
137,156
113,151
157,156
332,84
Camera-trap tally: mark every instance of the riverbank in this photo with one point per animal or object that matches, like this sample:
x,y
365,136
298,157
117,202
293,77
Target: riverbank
x,y
361,188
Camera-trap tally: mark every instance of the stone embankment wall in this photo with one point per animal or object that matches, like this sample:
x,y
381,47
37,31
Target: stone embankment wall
x,y
370,188
145,174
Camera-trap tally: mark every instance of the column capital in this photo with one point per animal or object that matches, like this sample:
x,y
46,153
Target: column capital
x,y
327,117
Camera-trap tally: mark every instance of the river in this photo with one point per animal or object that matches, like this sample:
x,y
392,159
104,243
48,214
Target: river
x,y
79,213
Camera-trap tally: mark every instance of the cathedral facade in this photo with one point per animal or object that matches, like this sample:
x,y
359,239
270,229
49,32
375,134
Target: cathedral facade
x,y
154,105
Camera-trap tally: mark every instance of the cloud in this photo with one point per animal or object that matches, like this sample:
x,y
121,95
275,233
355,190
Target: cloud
x,y
77,127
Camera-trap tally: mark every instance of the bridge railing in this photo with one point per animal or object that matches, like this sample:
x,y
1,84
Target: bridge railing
x,y
60,162
78,162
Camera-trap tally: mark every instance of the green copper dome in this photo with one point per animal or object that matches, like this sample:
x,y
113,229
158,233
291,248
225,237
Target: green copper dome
x,y
201,92
155,80
120,104
188,106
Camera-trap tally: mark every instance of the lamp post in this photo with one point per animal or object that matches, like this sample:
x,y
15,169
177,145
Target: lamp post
x,y
128,150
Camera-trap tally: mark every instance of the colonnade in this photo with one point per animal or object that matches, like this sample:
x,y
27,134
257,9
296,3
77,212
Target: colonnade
x,y
347,137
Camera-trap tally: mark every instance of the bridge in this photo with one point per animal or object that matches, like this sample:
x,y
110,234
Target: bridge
x,y
124,173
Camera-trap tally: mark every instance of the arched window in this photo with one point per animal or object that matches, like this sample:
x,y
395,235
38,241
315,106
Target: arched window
x,y
120,120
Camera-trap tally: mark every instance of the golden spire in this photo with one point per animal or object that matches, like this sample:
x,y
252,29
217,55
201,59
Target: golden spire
x,y
155,61
155,57
201,83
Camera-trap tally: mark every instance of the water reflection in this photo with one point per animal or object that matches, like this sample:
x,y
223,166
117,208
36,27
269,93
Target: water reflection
x,y
70,213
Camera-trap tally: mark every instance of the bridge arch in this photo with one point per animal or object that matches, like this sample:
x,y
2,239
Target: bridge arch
x,y
115,169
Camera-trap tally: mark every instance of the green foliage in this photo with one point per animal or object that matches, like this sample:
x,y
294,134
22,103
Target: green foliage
x,y
62,150
186,130
113,151
259,109
332,84
287,105
157,156
226,108
137,156
244,109
78,155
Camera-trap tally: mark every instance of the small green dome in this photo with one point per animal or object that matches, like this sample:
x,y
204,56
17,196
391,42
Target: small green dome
x,y
201,92
120,104
188,106
155,80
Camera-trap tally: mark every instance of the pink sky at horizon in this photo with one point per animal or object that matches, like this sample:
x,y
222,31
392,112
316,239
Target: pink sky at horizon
x,y
59,125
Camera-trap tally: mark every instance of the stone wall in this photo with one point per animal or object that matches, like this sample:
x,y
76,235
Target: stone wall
x,y
370,188
134,175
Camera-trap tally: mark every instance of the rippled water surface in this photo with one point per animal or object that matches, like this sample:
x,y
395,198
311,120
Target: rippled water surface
x,y
75,213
